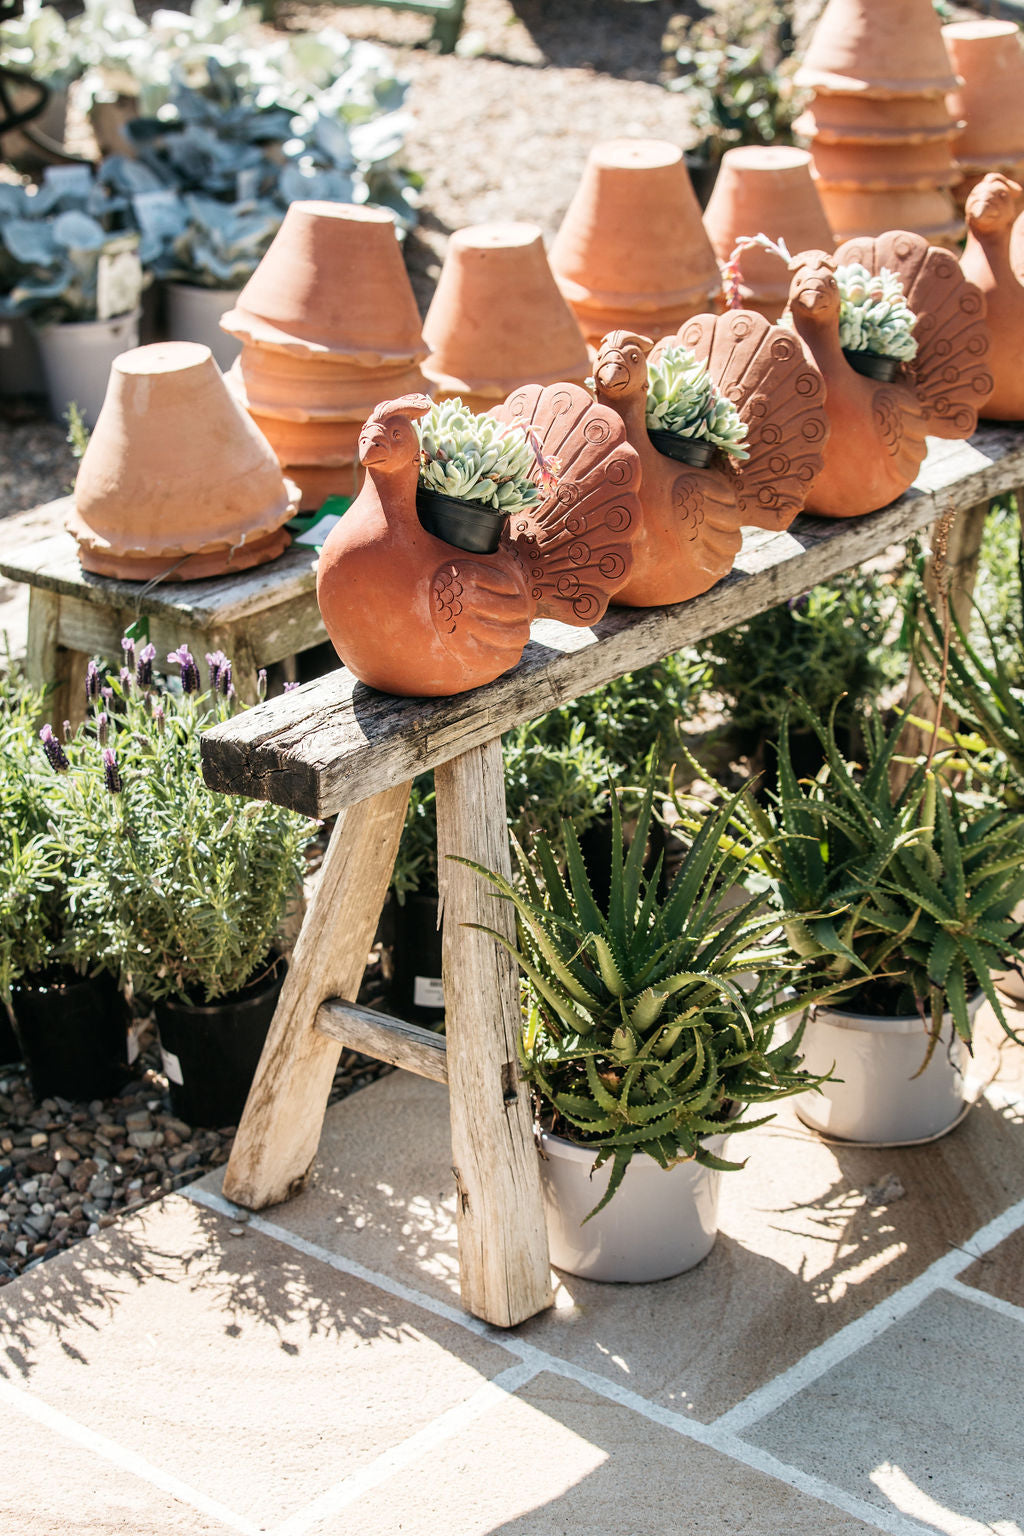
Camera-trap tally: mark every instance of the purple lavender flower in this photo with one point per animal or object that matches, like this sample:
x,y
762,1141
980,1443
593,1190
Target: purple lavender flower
x,y
107,695
190,680
58,758
67,731
216,661
224,682
111,772
92,683
102,721
159,717
128,646
289,687
261,684
126,681
144,666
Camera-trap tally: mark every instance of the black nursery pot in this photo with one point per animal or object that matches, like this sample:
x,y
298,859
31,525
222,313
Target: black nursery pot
x,y
696,451
873,365
467,524
210,1052
10,1050
416,981
73,1032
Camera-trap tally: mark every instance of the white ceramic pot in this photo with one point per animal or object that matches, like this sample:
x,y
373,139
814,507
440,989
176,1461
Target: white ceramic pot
x,y
882,1096
658,1223
77,357
1011,983
193,314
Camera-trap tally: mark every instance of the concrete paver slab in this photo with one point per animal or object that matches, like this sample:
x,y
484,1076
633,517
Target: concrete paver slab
x,y
924,1420
1001,1273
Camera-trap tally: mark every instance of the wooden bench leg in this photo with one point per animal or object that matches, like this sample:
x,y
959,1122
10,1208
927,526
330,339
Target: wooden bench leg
x,y
50,665
280,1127
503,1251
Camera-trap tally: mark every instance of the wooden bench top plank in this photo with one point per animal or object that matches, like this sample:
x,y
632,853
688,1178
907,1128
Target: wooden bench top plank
x,y
334,742
35,548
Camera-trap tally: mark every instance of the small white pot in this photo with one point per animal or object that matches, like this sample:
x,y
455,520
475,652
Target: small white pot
x,y
77,357
1011,983
883,1096
658,1223
193,314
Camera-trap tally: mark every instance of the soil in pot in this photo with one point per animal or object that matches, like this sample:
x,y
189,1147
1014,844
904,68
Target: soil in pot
x,y
73,1033
210,1052
416,976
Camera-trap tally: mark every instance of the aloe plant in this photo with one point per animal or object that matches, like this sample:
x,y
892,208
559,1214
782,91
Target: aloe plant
x,y
478,459
682,398
639,1035
873,314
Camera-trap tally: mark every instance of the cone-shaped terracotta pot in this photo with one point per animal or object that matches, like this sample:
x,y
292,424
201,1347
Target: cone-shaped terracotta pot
x,y
992,211
176,472
632,250
327,443
497,318
869,120
878,47
871,212
988,57
315,483
766,189
333,283
884,168
303,389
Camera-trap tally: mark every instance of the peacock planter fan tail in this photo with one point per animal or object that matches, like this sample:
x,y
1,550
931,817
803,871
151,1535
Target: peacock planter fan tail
x,y
692,515
992,212
577,543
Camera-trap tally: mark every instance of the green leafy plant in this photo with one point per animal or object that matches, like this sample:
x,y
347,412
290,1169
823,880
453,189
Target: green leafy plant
x,y
478,459
682,399
639,1035
737,74
873,314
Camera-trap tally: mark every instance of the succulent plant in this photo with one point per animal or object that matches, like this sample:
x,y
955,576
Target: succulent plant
x,y
874,315
478,459
682,399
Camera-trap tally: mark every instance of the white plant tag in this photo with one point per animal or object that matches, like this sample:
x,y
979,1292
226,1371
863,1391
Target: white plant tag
x,y
69,178
118,281
247,184
428,992
172,1066
6,335
133,1044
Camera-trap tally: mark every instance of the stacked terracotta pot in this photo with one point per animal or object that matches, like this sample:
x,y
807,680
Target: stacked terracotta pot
x,y
329,328
765,189
989,101
632,252
881,132
497,319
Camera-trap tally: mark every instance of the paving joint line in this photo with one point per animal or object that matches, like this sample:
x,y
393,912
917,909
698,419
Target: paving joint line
x,y
980,1298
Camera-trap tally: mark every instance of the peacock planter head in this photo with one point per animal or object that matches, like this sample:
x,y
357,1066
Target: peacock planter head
x,y
992,262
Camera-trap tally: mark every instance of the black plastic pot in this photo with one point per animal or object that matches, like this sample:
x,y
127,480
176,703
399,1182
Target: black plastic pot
x,y
703,173
10,1050
416,980
466,524
688,450
873,365
210,1052
73,1033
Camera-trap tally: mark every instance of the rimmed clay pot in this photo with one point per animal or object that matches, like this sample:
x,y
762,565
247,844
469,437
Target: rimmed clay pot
x,y
765,189
993,208
274,383
316,482
332,284
660,1221
324,442
498,319
176,481
886,168
632,251
877,48
988,57
880,1094
846,119
930,213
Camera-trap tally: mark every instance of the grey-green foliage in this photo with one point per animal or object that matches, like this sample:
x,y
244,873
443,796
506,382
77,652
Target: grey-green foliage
x,y
999,590
639,1035
51,242
874,315
477,458
737,74
682,399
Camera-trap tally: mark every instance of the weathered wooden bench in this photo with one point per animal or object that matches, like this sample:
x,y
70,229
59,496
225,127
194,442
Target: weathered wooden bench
x,y
335,746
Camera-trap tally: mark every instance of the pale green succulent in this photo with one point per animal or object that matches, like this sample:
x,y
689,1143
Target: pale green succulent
x,y
874,315
682,399
478,459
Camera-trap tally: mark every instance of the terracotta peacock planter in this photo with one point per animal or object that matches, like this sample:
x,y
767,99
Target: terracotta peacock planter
x,y
411,614
992,210
177,481
882,48
498,320
878,429
988,57
769,189
632,251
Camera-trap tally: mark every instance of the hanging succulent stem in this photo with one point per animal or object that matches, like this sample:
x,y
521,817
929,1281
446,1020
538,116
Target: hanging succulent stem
x,y
731,276
942,573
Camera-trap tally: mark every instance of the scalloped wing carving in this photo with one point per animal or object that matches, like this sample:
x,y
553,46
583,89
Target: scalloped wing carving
x,y
480,612
576,545
949,371
779,393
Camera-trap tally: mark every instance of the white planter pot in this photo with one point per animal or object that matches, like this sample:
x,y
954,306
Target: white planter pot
x,y
193,314
659,1222
77,358
883,1097
1011,984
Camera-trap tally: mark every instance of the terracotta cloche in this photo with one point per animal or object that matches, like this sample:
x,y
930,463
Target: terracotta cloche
x,y
632,250
497,319
992,211
692,516
877,442
989,100
177,481
411,614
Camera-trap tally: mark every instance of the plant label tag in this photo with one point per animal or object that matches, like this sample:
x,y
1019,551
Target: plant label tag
x,y
428,992
158,213
6,335
75,180
247,184
118,282
171,1066
133,1044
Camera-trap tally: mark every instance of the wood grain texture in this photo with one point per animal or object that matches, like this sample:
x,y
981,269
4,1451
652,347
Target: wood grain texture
x,y
335,741
280,1127
503,1249
384,1038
